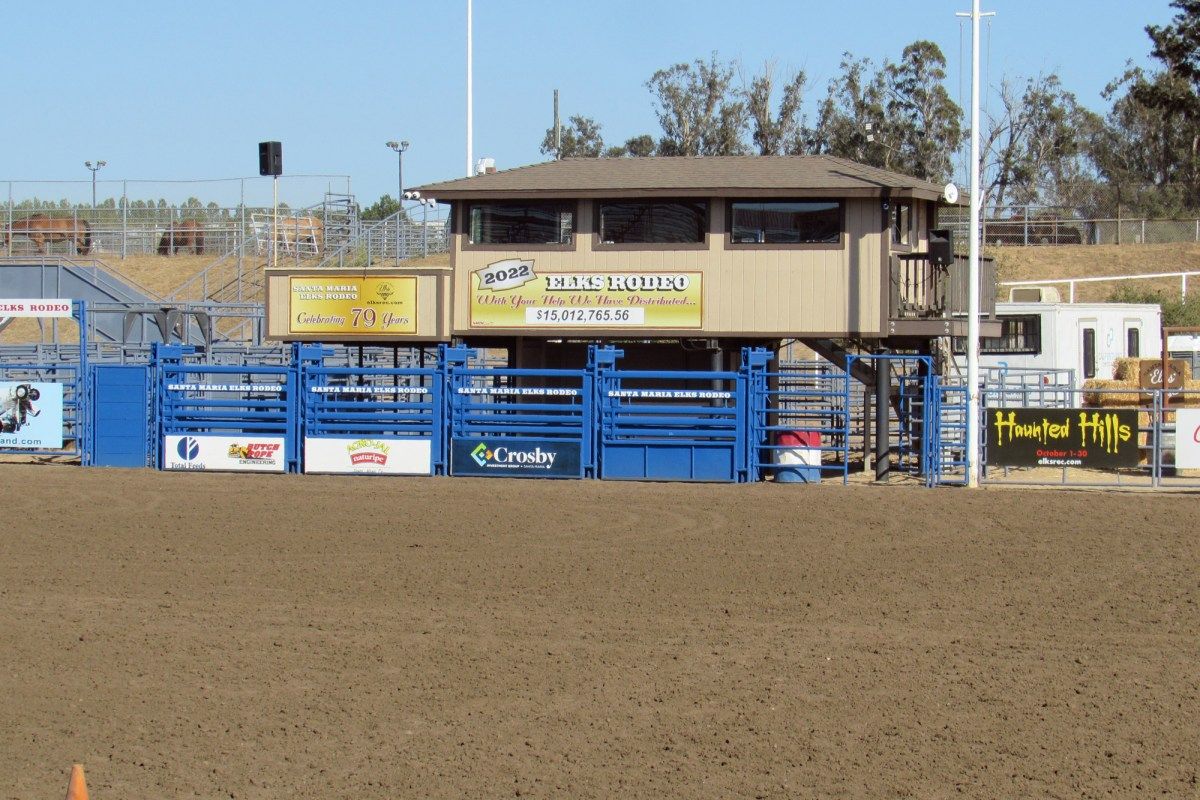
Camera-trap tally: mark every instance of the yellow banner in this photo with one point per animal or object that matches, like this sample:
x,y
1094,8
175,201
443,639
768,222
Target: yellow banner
x,y
660,300
353,305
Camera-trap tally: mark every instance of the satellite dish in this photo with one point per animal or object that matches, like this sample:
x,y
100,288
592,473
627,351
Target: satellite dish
x,y
950,193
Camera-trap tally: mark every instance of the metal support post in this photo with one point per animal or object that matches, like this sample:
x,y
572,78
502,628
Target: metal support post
x,y
882,434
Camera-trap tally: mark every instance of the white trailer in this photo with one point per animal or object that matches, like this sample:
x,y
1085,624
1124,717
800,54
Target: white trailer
x,y
1065,343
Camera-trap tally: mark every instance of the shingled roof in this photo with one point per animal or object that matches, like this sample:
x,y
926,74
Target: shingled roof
x,y
708,176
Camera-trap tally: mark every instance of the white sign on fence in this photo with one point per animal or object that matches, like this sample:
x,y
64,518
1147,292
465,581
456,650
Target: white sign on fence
x,y
35,308
224,453
31,415
1187,438
378,455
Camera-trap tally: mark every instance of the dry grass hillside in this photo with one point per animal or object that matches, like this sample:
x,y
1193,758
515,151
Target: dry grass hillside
x,y
1087,261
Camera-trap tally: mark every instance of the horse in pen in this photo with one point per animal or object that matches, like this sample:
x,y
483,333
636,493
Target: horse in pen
x,y
41,228
184,235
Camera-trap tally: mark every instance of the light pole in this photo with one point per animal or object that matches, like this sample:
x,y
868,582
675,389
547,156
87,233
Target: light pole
x,y
399,147
94,168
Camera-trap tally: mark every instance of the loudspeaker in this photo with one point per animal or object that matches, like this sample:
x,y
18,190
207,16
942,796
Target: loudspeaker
x,y
941,247
270,158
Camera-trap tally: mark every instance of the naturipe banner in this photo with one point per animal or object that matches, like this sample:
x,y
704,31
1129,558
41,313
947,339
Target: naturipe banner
x,y
1062,437
353,304
661,300
370,455
31,416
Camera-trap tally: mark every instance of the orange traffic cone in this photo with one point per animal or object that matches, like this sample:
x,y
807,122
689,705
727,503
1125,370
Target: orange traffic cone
x,y
77,787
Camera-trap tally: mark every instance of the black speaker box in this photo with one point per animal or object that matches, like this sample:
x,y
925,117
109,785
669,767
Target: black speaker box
x,y
270,158
941,247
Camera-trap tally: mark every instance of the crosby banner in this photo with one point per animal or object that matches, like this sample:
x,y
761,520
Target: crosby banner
x,y
350,304
515,458
512,294
1062,437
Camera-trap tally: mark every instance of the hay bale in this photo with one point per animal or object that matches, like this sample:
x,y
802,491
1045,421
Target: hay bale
x,y
1127,369
1109,394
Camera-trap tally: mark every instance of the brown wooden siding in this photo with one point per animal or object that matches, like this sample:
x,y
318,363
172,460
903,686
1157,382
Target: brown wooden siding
x,y
747,291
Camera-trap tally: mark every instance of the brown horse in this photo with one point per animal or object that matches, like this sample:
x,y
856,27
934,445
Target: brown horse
x,y
41,228
295,232
182,235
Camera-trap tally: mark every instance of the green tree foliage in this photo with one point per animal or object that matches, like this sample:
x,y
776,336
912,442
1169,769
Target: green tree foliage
x,y
382,208
914,125
780,132
927,124
1151,133
1176,311
698,112
581,138
636,147
1034,145
1145,154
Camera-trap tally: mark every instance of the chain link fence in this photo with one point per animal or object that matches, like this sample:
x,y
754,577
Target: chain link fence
x,y
131,217
1044,225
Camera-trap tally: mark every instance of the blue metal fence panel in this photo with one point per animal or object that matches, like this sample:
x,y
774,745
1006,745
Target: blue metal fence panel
x,y
120,415
655,426
520,422
225,417
373,420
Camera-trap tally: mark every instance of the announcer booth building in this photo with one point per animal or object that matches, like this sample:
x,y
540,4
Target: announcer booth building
x,y
682,260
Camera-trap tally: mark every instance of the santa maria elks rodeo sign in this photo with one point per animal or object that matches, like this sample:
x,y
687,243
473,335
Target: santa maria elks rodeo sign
x,y
511,294
352,304
1062,437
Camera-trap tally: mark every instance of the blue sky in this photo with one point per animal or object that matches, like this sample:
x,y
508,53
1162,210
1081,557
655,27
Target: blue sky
x,y
184,91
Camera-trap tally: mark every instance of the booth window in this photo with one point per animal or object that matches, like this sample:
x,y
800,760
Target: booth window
x,y
901,214
1133,342
653,222
521,222
1089,352
1019,333
786,222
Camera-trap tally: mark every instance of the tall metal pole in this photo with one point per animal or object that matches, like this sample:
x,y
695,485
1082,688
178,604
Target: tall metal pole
x,y
399,195
973,407
470,103
275,222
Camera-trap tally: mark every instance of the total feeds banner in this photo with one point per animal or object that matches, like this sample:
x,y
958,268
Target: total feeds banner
x,y
512,294
383,455
224,453
31,415
357,305
1062,437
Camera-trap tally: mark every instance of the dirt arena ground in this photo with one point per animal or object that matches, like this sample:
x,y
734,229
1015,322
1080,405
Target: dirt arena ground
x,y
281,636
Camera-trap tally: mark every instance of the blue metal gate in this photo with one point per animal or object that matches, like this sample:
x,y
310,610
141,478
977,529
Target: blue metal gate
x,y
372,420
800,421
225,417
672,426
505,422
120,416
